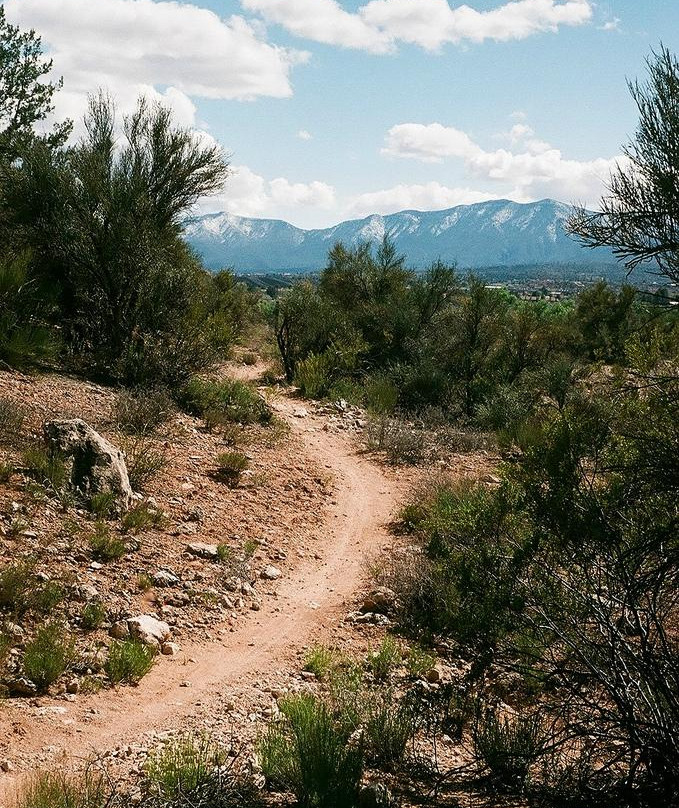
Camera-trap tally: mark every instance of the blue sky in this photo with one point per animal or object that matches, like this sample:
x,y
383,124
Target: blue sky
x,y
332,109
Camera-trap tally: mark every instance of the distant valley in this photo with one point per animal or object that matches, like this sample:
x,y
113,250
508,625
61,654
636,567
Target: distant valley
x,y
488,234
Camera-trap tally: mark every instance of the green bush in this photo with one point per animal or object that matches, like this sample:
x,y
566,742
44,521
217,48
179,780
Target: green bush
x,y
12,417
144,461
47,469
16,583
105,546
389,727
59,790
92,615
381,394
128,661
48,655
194,772
508,747
6,472
321,661
47,597
223,402
383,662
141,517
104,504
311,755
230,467
314,375
141,411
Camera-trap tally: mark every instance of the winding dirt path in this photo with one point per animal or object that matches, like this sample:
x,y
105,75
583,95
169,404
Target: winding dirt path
x,y
315,594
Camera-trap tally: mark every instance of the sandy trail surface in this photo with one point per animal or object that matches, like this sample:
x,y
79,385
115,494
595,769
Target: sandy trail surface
x,y
311,598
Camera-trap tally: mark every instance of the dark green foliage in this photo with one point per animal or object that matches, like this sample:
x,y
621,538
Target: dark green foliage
x,y
58,790
141,517
92,616
141,411
45,468
390,725
311,755
128,661
230,467
16,581
223,402
104,504
48,655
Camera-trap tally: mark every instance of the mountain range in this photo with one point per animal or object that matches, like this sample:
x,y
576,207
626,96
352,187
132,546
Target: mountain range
x,y
496,233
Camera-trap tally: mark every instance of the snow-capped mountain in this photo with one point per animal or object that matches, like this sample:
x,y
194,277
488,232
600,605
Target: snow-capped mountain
x,y
497,233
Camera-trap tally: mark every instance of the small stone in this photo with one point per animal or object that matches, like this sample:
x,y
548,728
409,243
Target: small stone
x,y
165,578
169,649
185,683
149,630
73,686
6,765
270,573
202,550
22,687
120,630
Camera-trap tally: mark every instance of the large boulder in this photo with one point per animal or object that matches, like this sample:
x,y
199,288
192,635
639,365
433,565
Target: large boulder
x,y
94,465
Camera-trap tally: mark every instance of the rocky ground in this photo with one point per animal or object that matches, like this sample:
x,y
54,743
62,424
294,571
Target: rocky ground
x,y
295,539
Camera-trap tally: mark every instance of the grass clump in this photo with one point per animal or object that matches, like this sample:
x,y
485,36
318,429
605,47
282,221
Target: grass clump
x,y
47,469
144,461
142,411
105,546
48,655
223,402
59,790
128,661
508,747
141,517
230,467
47,597
16,581
195,772
383,662
312,755
103,504
92,616
389,727
12,417
419,661
144,582
6,471
321,661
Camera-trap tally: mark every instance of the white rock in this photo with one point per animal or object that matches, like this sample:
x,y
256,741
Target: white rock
x,y
149,630
270,573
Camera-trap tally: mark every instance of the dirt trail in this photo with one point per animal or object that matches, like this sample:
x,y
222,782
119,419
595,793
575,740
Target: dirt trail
x,y
313,595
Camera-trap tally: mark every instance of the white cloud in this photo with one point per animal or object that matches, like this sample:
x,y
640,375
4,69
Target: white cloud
x,y
304,135
129,46
429,196
380,24
535,171
249,194
611,25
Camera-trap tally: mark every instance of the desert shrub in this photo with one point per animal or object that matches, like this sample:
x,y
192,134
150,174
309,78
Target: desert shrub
x,y
144,460
142,411
144,582
104,545
48,655
92,615
60,790
46,597
6,472
128,661
321,661
383,662
508,747
141,517
45,468
224,401
103,504
230,467
389,726
419,661
16,583
399,439
194,772
314,375
380,394
12,417
311,755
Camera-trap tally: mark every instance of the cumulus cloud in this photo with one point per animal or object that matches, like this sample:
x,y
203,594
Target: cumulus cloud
x,y
379,25
304,135
249,194
533,171
129,46
428,196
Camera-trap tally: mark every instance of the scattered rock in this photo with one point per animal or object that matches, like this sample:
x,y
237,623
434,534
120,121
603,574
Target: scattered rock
x,y
169,649
380,601
270,573
6,765
301,412
202,550
93,464
375,795
149,630
165,578
73,686
120,630
22,687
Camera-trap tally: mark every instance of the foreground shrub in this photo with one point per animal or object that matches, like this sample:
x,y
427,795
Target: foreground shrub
x,y
391,724
321,661
128,661
223,402
230,467
383,662
59,790
16,581
311,755
48,655
142,411
194,772
47,469
104,545
140,517
508,747
92,615
144,460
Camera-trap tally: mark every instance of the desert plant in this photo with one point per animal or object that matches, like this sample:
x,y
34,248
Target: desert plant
x,y
104,545
141,517
192,771
230,467
142,411
225,401
508,746
46,597
16,582
383,662
6,472
12,417
103,504
321,661
144,460
59,790
419,661
45,468
48,655
310,754
144,582
92,615
128,661
389,726
224,553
